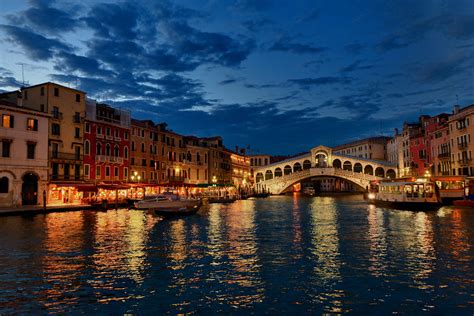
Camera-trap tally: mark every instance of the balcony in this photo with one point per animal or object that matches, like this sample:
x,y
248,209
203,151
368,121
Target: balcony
x,y
117,139
57,115
109,137
99,136
463,145
465,161
444,155
60,177
77,119
108,159
65,156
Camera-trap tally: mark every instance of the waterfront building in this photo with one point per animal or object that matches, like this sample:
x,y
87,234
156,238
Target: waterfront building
x,y
144,152
438,147
176,167
196,161
461,128
370,148
67,108
24,155
258,161
404,159
106,143
240,166
219,171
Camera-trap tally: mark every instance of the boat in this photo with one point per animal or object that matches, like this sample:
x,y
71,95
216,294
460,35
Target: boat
x,y
224,200
169,204
309,191
451,188
420,195
468,199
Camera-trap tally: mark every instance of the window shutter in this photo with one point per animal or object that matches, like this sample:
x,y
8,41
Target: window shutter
x,y
12,121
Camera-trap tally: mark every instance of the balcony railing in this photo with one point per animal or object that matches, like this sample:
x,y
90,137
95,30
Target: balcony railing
x,y
77,119
463,145
464,161
57,115
108,159
61,177
175,179
109,137
65,156
99,136
117,139
444,155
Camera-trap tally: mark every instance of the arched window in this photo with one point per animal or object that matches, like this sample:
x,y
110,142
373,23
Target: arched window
x,y
4,185
87,147
151,149
98,150
116,151
125,152
107,150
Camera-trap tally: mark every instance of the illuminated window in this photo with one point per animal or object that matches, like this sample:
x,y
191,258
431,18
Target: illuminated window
x,y
32,124
7,121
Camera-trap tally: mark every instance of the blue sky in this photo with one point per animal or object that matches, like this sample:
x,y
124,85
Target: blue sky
x,y
280,76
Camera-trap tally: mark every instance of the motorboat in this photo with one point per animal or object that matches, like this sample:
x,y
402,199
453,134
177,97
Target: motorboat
x,y
410,195
169,204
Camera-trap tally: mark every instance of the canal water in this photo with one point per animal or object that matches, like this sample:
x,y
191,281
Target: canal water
x,y
277,255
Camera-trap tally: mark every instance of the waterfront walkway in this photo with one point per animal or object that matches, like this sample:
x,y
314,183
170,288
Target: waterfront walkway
x,y
38,209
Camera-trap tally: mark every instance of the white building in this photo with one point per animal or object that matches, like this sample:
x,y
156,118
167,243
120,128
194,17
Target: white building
x,y
23,155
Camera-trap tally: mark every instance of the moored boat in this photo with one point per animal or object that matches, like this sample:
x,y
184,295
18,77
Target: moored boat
x,y
412,195
168,203
225,200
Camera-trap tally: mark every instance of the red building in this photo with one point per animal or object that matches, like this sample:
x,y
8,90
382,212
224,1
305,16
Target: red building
x,y
106,143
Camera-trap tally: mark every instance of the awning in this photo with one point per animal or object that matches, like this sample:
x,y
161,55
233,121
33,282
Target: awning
x,y
113,186
86,188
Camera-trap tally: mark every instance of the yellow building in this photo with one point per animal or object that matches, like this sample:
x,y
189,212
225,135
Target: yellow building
x,y
370,148
461,127
67,108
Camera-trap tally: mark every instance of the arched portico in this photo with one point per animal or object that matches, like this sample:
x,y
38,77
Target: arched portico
x,y
358,167
379,172
268,175
278,172
287,170
369,170
347,166
297,167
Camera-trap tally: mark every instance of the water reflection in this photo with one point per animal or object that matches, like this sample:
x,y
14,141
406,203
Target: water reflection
x,y
377,242
325,248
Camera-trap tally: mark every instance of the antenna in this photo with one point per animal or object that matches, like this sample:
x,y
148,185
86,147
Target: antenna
x,y
22,73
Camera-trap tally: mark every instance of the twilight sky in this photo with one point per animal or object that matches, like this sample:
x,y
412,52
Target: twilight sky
x,y
280,76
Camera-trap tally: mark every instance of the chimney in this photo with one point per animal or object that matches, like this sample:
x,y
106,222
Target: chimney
x,y
396,131
456,109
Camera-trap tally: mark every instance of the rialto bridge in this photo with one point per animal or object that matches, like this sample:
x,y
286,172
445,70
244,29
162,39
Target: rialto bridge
x,y
321,162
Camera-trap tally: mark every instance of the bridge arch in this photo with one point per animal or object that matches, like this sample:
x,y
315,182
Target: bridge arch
x,y
321,158
306,164
297,167
391,174
379,172
336,163
259,177
369,170
287,170
358,185
268,175
278,172
358,167
347,165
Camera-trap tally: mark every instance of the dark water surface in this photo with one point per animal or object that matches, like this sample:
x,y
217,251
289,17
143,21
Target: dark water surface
x,y
276,255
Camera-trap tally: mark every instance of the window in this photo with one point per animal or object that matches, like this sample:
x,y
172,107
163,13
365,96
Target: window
x,y
30,150
4,185
98,150
107,149
32,124
125,153
86,170
42,91
107,171
116,171
6,148
133,146
78,152
97,172
107,131
66,171
99,130
125,135
88,128
56,92
42,107
55,129
125,172
78,97
117,133
116,151
77,132
143,147
8,121
77,117
25,94
87,146
144,162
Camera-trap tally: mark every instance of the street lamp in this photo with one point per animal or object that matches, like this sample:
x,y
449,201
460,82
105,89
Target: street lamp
x,y
214,180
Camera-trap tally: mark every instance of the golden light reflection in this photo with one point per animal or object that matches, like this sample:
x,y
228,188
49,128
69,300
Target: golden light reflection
x,y
377,241
297,238
325,248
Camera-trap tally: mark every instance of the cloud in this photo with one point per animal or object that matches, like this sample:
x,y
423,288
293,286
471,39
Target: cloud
x,y
252,5
354,48
355,66
306,83
7,80
36,46
443,70
285,45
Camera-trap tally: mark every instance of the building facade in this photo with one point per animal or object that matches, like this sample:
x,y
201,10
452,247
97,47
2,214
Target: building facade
x,y
24,156
106,143
460,130
370,148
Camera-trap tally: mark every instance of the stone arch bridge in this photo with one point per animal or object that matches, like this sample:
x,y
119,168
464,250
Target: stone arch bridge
x,y
321,162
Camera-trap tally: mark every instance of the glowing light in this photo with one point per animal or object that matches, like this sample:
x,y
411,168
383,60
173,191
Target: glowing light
x,y
371,196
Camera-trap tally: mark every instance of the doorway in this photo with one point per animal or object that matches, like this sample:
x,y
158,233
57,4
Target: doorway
x,y
29,189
